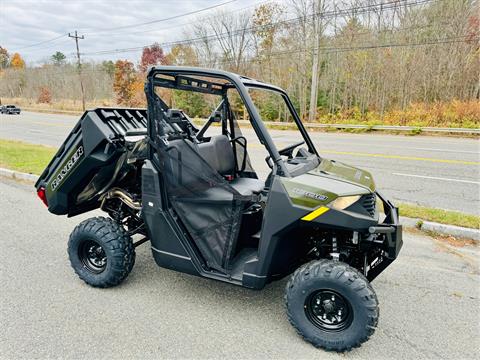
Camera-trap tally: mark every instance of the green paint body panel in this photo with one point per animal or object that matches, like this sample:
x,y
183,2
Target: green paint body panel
x,y
337,170
74,157
325,183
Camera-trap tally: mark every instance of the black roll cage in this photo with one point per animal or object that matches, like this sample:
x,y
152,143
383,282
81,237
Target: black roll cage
x,y
179,77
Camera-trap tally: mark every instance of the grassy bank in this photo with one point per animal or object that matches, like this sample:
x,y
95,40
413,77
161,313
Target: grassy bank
x,y
440,216
28,158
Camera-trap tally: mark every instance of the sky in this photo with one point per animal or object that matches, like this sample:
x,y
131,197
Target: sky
x,y
38,28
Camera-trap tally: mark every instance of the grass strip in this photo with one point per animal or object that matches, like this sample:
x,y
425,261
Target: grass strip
x,y
23,157
442,216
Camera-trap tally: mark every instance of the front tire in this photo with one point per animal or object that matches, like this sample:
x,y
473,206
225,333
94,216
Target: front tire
x,y
331,305
101,252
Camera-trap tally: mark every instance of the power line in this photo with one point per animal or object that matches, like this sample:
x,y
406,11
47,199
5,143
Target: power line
x,y
328,14
356,33
162,20
325,50
55,45
363,9
328,50
42,42
131,25
182,24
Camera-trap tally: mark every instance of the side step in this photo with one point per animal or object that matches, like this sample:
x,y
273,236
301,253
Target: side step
x,y
246,255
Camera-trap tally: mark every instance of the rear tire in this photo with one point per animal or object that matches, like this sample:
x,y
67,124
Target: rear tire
x,y
331,305
101,252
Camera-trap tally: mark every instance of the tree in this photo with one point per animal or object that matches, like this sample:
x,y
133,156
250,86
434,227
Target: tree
x,y
4,58
124,82
58,58
138,98
109,67
264,20
17,62
44,96
232,35
192,103
182,55
152,55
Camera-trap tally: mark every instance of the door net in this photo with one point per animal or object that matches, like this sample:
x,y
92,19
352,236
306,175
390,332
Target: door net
x,y
208,207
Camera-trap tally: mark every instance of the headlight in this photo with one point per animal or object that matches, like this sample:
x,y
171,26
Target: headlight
x,y
343,202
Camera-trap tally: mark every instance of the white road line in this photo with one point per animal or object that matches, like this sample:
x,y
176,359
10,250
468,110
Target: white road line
x,y
445,150
438,178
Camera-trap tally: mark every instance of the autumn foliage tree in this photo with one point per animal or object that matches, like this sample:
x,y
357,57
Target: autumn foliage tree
x,y
123,82
17,62
138,99
152,55
44,96
182,55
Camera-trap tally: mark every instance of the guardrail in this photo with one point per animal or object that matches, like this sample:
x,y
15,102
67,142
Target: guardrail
x,y
377,127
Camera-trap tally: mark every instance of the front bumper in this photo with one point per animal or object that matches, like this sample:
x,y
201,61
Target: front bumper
x,y
388,235
380,240
390,227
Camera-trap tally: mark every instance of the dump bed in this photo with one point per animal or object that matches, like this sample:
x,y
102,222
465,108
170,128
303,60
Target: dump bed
x,y
92,149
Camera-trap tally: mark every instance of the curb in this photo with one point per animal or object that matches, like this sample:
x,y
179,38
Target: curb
x,y
444,229
453,230
16,175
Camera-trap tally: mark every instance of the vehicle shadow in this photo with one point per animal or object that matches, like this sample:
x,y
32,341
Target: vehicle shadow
x,y
149,274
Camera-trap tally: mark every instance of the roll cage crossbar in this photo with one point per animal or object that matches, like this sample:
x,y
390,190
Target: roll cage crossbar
x,y
192,79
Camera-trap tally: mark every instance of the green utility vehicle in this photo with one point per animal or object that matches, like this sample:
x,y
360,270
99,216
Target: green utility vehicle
x,y
195,195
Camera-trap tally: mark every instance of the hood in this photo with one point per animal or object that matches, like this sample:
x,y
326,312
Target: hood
x,y
340,171
326,182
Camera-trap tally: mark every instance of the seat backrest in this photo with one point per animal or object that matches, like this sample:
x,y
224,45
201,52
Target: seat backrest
x,y
218,153
182,162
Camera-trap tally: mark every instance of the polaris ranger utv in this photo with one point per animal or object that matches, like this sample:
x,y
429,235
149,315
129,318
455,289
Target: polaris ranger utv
x,y
194,194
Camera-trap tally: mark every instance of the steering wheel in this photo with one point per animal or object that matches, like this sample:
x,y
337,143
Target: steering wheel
x,y
288,151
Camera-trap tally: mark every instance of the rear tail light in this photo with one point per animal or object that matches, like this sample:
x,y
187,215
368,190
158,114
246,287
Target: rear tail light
x,y
41,194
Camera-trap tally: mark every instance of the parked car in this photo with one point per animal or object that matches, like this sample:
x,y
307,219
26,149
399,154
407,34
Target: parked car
x,y
10,109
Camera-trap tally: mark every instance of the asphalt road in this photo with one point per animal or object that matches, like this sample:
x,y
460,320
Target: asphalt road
x,y
429,301
426,170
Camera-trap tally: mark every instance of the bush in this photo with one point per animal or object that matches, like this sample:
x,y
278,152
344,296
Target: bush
x,y
44,96
454,113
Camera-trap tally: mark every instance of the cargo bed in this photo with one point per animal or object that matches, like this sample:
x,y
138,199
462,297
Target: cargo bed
x,y
91,150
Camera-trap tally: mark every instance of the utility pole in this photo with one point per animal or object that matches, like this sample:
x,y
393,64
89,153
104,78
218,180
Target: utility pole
x,y
317,6
312,114
76,37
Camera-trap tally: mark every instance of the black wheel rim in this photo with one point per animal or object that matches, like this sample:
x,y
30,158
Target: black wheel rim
x,y
328,310
92,256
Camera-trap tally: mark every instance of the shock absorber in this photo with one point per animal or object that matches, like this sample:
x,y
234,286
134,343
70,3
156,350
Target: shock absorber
x,y
334,254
